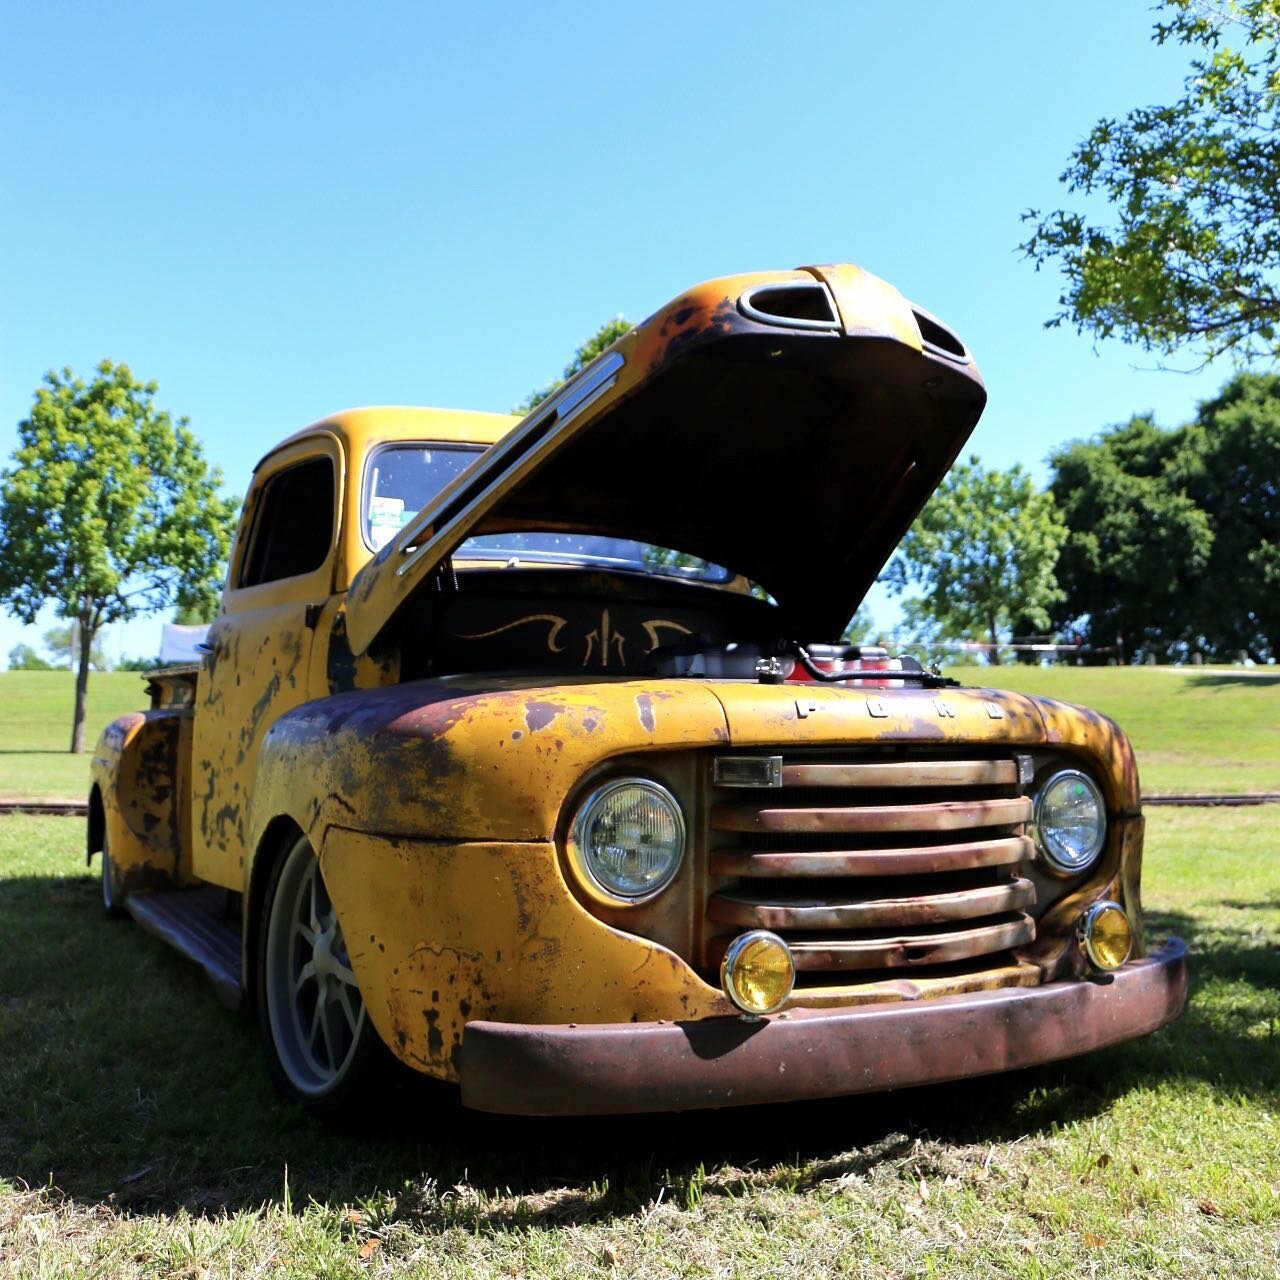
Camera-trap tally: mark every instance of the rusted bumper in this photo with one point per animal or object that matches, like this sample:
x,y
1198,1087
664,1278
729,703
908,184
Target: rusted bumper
x,y
812,1053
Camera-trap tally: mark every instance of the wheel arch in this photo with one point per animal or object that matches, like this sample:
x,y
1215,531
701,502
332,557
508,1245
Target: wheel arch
x,y
96,830
277,838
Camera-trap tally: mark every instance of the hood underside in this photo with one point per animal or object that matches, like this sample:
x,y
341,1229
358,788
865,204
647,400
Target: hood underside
x,y
797,456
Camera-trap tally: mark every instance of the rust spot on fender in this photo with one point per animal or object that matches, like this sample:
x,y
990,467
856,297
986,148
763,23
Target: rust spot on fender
x,y
538,714
644,705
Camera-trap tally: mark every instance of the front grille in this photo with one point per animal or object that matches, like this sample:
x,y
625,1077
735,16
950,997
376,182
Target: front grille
x,y
874,865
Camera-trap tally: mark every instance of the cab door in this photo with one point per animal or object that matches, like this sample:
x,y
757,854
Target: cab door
x,y
257,653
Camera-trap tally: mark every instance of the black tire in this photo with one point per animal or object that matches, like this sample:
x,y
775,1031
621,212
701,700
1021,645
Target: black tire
x,y
321,1048
112,894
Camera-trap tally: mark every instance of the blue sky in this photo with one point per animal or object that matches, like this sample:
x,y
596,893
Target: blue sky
x,y
277,211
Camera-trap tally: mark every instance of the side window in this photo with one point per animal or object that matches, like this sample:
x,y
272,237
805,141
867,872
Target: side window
x,y
293,529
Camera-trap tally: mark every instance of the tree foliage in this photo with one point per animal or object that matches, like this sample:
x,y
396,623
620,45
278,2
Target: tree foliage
x,y
1189,249
197,613
1138,545
1174,543
605,336
1235,441
22,657
982,552
108,510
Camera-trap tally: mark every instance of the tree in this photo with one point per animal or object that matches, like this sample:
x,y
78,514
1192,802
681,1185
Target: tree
x,y
605,336
1191,254
108,510
983,551
1174,542
1138,546
1232,474
199,613
61,643
138,664
22,657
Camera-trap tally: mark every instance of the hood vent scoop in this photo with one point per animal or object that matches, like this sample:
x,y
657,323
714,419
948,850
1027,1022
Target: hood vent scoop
x,y
938,338
794,306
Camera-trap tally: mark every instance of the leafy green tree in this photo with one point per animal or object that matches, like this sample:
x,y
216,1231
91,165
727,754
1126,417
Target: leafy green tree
x,y
1190,252
1138,547
108,510
605,336
1233,476
982,552
61,643
1174,542
138,664
22,657
198,613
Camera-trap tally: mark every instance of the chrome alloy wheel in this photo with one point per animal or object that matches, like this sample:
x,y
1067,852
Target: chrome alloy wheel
x,y
315,1013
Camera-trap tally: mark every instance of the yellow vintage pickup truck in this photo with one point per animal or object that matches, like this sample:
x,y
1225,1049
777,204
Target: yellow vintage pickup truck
x,y
521,750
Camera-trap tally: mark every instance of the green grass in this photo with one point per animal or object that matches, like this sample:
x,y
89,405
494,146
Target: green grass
x,y
1193,729
139,1136
36,708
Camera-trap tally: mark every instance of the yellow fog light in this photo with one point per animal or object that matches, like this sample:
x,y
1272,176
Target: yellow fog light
x,y
1106,935
757,972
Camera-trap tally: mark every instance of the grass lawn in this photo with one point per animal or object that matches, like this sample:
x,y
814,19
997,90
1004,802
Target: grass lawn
x,y
139,1135
1195,730
35,728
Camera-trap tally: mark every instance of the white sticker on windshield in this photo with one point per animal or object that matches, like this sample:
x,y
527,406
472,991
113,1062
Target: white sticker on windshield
x,y
386,517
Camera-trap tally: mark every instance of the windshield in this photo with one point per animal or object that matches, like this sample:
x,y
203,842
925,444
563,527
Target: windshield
x,y
402,479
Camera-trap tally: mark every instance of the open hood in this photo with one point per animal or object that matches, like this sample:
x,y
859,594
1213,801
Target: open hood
x,y
788,425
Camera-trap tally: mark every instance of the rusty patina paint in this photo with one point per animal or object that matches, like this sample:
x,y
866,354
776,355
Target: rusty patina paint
x,y
141,771
943,816
913,950
876,862
903,773
535,1070
1116,876
521,751
428,960
758,912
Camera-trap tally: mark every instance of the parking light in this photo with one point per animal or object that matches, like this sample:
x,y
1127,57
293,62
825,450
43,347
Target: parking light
x,y
1105,935
757,972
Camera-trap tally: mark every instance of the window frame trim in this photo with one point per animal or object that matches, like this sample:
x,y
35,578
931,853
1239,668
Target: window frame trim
x,y
315,583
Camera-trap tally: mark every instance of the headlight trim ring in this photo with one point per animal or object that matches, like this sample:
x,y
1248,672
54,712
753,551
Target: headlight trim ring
x,y
1054,859
592,881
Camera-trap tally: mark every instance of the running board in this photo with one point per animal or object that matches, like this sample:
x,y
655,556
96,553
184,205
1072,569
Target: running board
x,y
193,921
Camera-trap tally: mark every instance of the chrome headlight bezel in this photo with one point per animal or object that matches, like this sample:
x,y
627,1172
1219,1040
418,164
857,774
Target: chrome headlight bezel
x,y
592,879
1060,862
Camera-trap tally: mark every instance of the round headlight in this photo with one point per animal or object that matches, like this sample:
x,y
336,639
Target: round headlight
x,y
627,840
1071,821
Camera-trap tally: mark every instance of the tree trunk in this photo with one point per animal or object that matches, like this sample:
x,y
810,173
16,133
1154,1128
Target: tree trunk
x,y
86,635
995,650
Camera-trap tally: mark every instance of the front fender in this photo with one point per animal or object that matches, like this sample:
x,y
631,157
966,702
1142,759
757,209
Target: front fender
x,y
437,760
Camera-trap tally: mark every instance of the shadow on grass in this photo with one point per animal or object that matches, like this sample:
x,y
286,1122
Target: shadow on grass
x,y
124,1082
1221,679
